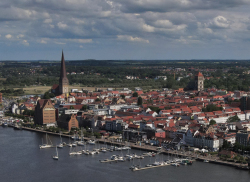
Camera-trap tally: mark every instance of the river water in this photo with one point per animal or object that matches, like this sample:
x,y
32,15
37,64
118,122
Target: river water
x,y
21,160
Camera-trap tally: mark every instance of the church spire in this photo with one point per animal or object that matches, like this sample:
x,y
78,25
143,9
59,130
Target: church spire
x,y
63,81
63,68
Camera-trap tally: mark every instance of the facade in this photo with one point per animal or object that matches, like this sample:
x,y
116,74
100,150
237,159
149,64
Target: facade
x,y
45,113
199,82
189,137
115,125
243,138
159,133
245,103
1,97
209,141
133,135
63,81
68,121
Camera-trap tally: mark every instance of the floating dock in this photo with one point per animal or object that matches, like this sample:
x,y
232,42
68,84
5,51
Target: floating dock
x,y
107,160
144,168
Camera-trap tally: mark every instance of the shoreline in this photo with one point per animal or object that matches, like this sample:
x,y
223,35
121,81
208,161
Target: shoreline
x,y
214,160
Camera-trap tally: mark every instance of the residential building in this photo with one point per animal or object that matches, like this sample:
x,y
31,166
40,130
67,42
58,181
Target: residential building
x,y
243,138
209,141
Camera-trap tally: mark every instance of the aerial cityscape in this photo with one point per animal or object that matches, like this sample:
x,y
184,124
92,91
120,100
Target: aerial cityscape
x,y
125,90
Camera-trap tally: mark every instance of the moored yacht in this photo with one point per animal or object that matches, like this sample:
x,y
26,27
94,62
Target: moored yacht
x,y
91,142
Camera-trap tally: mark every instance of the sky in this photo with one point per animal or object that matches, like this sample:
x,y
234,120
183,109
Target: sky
x,y
124,29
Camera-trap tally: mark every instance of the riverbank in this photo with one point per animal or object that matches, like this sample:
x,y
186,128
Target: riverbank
x,y
198,157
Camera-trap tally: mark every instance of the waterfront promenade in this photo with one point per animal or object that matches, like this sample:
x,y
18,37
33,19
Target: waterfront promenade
x,y
210,158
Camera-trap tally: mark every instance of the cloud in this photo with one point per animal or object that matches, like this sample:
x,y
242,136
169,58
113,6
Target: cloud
x,y
131,39
135,6
98,23
43,41
62,25
79,40
60,43
8,36
20,36
148,28
48,20
25,42
219,22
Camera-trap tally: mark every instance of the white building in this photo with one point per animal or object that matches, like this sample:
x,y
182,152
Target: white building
x,y
210,141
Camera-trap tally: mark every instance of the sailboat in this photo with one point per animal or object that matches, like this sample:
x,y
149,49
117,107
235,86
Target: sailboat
x,y
60,144
45,145
71,152
81,143
55,157
91,142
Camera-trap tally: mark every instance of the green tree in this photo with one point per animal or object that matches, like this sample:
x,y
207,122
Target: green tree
x,y
48,95
97,100
139,101
211,108
212,122
233,119
155,109
123,96
135,94
225,144
71,107
84,107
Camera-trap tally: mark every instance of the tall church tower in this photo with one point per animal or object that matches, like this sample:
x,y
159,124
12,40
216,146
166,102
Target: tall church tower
x,y
199,81
63,81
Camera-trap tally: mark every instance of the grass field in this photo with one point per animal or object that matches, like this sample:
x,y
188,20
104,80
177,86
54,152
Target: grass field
x,y
32,90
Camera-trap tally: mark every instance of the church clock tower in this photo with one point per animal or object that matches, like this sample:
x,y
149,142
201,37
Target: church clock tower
x,y
63,81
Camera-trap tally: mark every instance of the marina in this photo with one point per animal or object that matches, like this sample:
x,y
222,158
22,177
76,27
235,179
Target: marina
x,y
23,147
118,146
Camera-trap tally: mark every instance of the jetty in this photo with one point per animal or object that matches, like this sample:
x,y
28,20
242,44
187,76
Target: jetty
x,y
150,167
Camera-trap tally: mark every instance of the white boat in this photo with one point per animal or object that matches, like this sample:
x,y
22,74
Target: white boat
x,y
114,157
79,153
43,146
103,150
4,124
118,148
55,157
121,159
91,142
86,152
74,144
206,161
92,152
60,145
175,164
80,143
156,164
71,152
69,144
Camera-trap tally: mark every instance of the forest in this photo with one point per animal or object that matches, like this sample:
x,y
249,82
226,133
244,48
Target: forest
x,y
222,74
